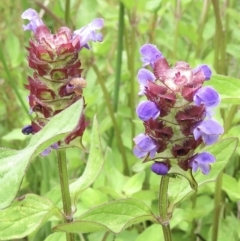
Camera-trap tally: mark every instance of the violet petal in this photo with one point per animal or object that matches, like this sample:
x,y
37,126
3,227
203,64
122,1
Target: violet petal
x,y
147,110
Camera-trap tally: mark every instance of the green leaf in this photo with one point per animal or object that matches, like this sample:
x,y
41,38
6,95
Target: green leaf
x,y
56,237
113,217
14,50
25,215
228,229
230,186
154,232
92,198
227,87
13,163
175,169
179,186
134,183
94,164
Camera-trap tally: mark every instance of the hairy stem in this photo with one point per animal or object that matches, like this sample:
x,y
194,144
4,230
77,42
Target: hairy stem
x,y
163,208
63,176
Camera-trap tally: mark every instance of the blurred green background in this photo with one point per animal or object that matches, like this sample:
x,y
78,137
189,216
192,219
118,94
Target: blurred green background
x,y
184,30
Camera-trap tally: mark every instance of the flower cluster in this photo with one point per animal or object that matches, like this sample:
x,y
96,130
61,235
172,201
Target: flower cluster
x,y
177,114
56,82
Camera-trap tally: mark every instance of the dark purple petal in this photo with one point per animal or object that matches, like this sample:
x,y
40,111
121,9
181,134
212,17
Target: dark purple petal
x,y
144,145
26,130
202,162
147,110
209,130
35,20
88,32
207,96
160,168
205,69
150,54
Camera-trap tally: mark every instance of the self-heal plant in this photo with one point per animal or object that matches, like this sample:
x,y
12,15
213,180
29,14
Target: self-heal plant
x,y
177,118
178,113
56,82
56,103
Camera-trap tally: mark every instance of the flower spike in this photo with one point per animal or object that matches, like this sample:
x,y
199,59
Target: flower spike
x,y
176,115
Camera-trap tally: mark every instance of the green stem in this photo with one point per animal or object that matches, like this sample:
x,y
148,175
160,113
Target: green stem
x,y
113,118
177,18
118,65
201,25
217,207
63,176
219,53
130,39
230,115
194,221
67,12
119,57
163,208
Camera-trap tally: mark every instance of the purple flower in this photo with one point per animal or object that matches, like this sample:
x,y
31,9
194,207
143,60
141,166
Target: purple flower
x,y
208,130
160,168
202,162
26,130
150,54
144,75
144,145
205,70
147,110
89,32
48,150
207,96
35,20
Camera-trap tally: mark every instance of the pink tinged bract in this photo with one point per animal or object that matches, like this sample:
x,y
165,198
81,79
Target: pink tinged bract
x,y
88,32
208,130
202,161
150,54
35,20
147,110
144,145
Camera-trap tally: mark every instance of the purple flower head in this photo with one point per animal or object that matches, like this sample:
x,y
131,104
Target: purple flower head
x,y
160,168
144,75
88,32
205,70
202,161
147,110
208,130
207,96
144,145
150,54
35,20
